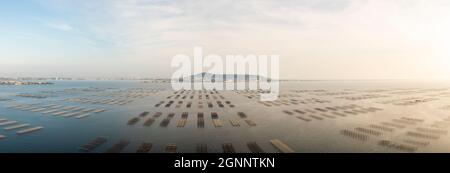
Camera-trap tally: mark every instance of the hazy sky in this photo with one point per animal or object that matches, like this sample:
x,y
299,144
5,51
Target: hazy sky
x,y
316,39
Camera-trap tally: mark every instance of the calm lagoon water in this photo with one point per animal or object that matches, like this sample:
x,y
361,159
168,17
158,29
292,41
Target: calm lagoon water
x,y
64,135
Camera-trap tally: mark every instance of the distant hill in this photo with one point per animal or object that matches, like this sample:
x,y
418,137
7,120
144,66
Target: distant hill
x,y
223,77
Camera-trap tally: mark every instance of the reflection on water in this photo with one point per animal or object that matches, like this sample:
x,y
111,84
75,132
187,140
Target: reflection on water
x,y
309,116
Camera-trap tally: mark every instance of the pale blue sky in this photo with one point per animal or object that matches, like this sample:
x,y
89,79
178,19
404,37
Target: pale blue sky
x,y
316,39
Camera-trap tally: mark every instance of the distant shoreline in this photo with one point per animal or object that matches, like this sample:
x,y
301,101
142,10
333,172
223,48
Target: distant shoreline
x,y
19,83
